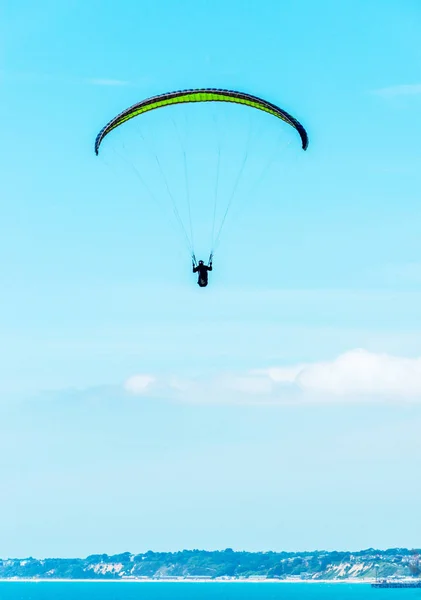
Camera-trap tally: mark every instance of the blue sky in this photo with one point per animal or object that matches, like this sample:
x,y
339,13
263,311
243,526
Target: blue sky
x,y
273,409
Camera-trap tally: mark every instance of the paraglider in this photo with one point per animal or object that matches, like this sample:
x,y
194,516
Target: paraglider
x,y
189,97
202,269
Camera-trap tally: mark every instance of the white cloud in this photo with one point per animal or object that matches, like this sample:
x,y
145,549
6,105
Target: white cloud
x,y
400,90
139,384
357,375
361,373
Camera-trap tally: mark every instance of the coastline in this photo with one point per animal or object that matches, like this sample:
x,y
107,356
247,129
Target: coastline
x,y
349,580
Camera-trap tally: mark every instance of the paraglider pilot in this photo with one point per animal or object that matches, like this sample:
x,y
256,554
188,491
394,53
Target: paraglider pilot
x,y
202,269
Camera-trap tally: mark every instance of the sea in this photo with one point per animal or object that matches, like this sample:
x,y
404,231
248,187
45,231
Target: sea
x,y
52,590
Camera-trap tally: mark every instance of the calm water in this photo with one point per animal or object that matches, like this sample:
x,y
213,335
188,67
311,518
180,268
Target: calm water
x,y
198,591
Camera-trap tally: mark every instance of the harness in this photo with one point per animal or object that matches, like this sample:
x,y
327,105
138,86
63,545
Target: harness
x,y
196,263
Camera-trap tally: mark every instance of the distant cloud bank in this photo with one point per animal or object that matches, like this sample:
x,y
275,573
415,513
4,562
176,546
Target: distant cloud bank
x,y
357,375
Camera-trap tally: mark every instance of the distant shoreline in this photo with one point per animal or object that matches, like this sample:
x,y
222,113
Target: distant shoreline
x,y
220,566
187,580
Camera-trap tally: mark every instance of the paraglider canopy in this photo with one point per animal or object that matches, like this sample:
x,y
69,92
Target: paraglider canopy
x,y
201,95
218,194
